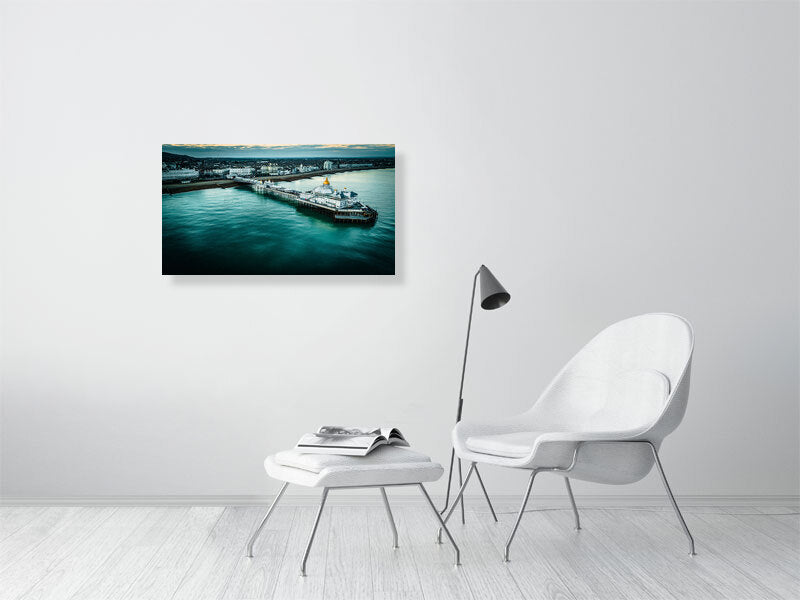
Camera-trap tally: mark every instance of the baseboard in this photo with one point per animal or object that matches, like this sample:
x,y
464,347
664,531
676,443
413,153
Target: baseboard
x,y
358,499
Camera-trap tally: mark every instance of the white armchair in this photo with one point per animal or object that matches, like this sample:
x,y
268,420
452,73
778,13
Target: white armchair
x,y
601,419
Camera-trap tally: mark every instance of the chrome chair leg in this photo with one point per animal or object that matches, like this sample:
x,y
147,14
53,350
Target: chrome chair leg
x,y
391,518
519,516
442,523
574,507
672,499
489,502
257,532
455,502
461,482
313,531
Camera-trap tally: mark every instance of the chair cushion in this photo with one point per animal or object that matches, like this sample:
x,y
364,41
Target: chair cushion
x,y
509,445
633,399
382,455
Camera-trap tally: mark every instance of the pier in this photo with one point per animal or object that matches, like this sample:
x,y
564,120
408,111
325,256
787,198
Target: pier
x,y
361,214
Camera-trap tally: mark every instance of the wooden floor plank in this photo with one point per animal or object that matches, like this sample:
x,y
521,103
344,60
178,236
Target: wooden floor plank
x,y
116,574
348,568
487,575
14,518
615,553
710,571
164,573
102,553
255,578
537,575
34,565
784,535
781,527
211,570
33,533
753,553
580,558
657,549
438,577
67,576
290,585
588,552
394,573
785,511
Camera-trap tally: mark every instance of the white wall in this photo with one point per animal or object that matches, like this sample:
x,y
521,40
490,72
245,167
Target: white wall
x,y
604,160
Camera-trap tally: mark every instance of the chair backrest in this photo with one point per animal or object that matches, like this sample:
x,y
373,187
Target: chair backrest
x,y
632,375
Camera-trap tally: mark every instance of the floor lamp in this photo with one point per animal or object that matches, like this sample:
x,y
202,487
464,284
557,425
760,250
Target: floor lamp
x,y
493,295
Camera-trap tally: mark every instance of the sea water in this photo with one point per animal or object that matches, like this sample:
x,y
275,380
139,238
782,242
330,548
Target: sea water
x,y
239,231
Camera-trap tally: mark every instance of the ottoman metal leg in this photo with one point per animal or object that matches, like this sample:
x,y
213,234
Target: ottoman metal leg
x,y
442,523
391,518
264,521
313,531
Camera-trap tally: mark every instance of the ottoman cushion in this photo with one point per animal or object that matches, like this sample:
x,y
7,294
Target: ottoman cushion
x,y
380,456
386,465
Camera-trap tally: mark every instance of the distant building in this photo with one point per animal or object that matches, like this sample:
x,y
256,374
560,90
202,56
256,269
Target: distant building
x,y
179,174
328,165
239,171
354,165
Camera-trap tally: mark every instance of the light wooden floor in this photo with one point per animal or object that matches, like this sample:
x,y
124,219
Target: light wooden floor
x,y
82,553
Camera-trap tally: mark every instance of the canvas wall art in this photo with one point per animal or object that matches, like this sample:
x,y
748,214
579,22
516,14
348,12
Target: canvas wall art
x,y
314,209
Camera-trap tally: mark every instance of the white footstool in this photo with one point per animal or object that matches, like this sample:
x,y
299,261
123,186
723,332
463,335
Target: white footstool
x,y
384,467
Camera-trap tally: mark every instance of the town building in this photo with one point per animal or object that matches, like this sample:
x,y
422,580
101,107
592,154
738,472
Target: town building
x,y
179,174
240,171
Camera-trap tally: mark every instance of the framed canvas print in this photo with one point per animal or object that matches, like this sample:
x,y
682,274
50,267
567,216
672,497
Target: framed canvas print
x,y
314,209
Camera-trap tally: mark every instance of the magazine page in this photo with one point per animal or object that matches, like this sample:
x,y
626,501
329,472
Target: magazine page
x,y
334,430
392,434
351,441
395,437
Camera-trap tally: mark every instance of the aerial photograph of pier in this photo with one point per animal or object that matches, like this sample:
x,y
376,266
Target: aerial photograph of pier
x,y
314,209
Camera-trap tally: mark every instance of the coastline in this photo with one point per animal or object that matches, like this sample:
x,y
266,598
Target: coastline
x,y
176,188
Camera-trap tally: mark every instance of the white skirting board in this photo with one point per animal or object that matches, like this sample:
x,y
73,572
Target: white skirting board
x,y
355,499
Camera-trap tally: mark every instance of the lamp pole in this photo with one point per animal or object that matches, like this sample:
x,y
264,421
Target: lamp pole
x,y
458,417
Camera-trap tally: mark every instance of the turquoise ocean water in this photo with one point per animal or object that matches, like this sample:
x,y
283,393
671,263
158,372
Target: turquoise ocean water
x,y
238,231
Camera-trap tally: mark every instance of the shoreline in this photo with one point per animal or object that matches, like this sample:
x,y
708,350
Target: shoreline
x,y
176,188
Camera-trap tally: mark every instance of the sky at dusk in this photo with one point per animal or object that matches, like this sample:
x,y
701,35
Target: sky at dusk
x,y
284,151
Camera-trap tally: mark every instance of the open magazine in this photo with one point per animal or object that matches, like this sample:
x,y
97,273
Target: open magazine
x,y
349,441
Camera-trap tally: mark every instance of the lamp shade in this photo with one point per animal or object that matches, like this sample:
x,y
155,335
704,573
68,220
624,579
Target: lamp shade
x,y
493,295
